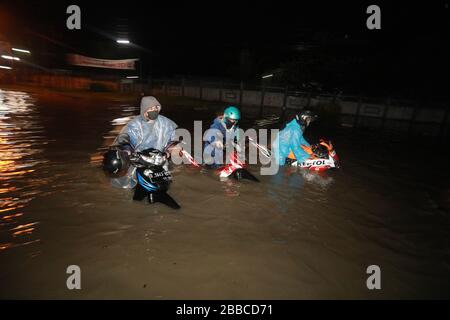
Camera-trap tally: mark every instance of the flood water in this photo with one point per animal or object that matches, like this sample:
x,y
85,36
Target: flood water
x,y
295,235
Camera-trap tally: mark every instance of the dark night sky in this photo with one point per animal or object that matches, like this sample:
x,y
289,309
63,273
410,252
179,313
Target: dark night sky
x,y
208,38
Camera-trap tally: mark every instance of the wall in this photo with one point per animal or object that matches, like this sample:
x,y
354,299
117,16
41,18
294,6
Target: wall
x,y
69,82
352,110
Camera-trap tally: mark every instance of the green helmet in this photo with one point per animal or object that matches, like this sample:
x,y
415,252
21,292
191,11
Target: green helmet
x,y
232,112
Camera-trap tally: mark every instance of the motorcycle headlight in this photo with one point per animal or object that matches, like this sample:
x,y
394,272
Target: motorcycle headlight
x,y
159,160
148,159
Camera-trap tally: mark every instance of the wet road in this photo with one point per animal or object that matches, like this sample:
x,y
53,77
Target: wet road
x,y
294,235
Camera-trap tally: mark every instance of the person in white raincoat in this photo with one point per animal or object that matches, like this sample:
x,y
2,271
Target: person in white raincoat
x,y
148,130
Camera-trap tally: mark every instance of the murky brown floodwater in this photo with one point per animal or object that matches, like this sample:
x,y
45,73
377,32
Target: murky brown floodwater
x,y
294,235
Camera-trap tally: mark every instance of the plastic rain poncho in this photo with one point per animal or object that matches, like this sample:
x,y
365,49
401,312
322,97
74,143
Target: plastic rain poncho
x,y
141,134
290,139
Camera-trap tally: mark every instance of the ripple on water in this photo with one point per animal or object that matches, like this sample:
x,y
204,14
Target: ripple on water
x,y
22,142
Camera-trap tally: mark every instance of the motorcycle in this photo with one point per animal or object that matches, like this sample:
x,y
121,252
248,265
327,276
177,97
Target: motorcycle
x,y
322,157
236,169
153,177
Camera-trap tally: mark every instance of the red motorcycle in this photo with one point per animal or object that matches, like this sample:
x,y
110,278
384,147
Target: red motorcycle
x,y
236,169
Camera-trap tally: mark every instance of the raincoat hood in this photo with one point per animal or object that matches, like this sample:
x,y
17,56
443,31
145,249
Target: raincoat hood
x,y
147,102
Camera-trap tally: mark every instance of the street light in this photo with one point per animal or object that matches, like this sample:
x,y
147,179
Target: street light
x,y
123,41
20,50
10,57
5,67
267,76
132,77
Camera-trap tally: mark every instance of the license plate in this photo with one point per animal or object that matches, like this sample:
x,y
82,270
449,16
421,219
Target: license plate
x,y
160,176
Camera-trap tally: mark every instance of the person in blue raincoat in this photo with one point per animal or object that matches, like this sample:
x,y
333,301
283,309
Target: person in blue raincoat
x,y
147,130
290,139
225,129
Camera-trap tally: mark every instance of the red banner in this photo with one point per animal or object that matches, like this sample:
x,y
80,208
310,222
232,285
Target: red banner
x,y
79,60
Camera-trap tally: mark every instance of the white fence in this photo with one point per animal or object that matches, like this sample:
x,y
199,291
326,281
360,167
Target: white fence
x,y
430,118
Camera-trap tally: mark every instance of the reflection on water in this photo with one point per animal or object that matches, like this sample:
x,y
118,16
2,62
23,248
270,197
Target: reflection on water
x,y
21,146
321,180
268,121
291,184
231,187
127,112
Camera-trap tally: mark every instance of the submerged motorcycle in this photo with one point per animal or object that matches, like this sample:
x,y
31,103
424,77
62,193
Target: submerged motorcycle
x,y
236,169
152,173
153,177
322,157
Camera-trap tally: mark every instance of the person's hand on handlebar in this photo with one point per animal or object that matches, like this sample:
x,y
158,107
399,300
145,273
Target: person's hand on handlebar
x,y
174,147
218,144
